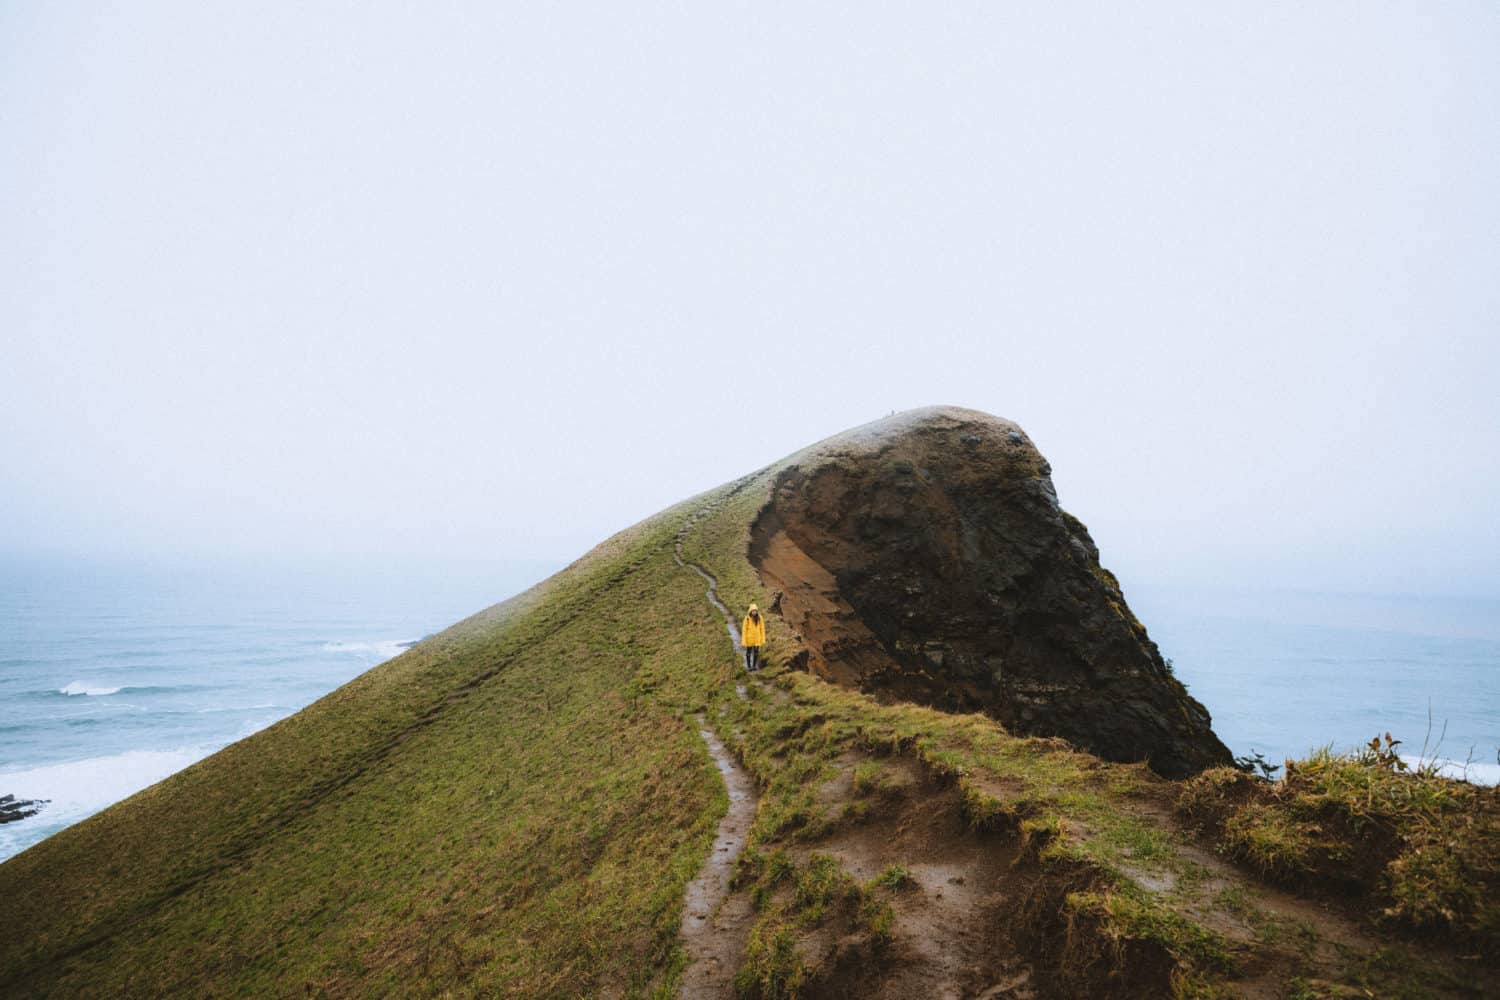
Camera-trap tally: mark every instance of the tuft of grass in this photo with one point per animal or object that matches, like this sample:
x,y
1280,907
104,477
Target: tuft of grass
x,y
895,878
868,778
1271,839
878,917
1442,882
765,874
983,811
1139,916
821,883
774,968
1041,834
819,890
1207,798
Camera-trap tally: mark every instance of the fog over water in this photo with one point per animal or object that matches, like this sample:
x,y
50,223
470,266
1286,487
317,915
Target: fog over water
x,y
389,285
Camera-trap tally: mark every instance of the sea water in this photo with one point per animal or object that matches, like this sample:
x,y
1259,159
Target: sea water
x,y
1284,672
111,680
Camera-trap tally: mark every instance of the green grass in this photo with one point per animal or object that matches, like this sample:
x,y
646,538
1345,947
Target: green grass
x,y
514,807
895,878
774,968
1426,847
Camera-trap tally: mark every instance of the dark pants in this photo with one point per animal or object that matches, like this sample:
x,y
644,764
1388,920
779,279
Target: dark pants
x,y
752,657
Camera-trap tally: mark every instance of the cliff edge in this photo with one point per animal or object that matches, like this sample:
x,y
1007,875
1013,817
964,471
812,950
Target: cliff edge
x,y
925,557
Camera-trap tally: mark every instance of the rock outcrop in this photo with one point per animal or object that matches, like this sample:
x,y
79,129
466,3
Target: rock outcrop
x,y
925,557
12,808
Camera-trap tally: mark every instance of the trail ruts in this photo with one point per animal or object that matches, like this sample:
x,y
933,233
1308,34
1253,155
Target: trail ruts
x,y
715,922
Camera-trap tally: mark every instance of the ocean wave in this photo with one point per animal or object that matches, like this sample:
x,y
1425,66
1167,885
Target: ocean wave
x,y
85,689
384,649
80,788
1478,773
80,688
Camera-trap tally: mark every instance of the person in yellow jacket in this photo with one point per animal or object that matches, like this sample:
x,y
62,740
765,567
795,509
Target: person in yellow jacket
x,y
753,636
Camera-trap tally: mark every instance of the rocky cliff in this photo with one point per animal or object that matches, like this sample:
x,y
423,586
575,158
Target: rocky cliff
x,y
926,557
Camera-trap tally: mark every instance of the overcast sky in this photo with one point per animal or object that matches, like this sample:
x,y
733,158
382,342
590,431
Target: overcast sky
x,y
477,283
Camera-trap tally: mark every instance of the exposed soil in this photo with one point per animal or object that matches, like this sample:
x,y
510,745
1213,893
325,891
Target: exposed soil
x,y
715,922
948,938
842,647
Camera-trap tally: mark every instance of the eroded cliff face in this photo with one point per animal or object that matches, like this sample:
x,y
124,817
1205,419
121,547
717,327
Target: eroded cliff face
x,y
925,557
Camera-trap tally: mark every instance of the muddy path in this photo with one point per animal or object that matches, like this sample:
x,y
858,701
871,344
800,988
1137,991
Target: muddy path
x,y
713,597
716,922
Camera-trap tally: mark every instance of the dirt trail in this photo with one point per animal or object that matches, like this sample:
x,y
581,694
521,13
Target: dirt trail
x,y
716,923
713,597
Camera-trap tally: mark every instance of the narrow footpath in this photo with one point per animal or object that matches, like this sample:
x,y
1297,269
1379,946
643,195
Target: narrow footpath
x,y
716,923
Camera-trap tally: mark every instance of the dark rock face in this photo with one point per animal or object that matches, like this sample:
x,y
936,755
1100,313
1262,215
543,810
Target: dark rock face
x,y
12,808
925,557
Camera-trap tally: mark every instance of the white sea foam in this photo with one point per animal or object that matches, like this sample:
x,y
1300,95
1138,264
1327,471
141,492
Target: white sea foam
x,y
379,650
79,687
1478,772
78,789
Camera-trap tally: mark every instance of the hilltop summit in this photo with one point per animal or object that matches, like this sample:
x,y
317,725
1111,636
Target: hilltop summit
x,y
925,557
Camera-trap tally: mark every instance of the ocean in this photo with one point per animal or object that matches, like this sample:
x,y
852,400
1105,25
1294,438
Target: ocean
x,y
112,679
1286,672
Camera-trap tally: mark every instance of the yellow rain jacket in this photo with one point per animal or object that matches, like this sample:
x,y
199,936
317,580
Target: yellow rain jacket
x,y
753,631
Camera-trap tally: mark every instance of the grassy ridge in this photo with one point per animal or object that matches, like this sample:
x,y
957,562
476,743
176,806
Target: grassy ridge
x,y
513,807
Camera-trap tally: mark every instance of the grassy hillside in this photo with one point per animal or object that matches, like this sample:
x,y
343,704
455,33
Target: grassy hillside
x,y
511,806
514,806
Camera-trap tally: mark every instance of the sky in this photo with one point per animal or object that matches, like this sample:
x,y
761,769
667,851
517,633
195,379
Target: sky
x,y
477,285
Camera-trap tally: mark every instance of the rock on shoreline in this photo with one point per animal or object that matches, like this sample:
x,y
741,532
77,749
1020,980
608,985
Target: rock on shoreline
x,y
12,808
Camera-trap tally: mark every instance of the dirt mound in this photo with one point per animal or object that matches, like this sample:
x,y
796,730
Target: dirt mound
x,y
926,557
